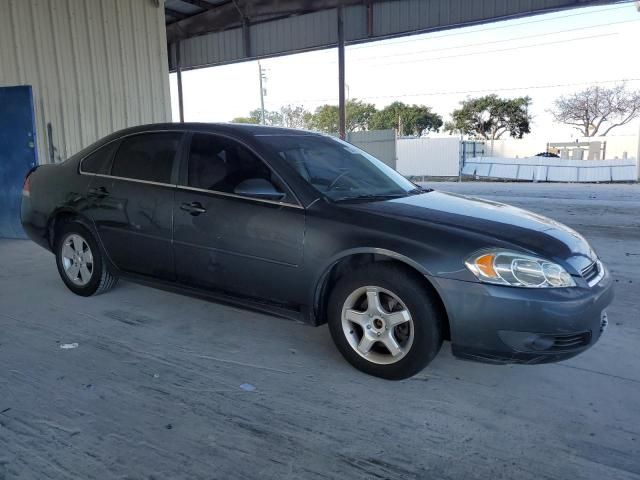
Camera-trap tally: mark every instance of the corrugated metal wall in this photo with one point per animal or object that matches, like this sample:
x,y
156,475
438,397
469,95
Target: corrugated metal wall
x,y
379,143
96,66
319,30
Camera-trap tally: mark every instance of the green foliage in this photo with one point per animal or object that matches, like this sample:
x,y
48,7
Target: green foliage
x,y
270,117
359,114
409,119
406,119
490,117
246,120
325,119
289,116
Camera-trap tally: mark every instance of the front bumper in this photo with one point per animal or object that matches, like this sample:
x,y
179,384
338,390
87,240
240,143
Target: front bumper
x,y
498,324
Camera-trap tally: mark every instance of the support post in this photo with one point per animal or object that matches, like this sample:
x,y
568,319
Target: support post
x,y
179,72
342,108
462,149
246,38
262,122
638,155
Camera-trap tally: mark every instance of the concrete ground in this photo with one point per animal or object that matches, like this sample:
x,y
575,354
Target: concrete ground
x,y
164,386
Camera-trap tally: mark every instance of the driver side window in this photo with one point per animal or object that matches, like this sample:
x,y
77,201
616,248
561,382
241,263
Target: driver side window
x,y
223,165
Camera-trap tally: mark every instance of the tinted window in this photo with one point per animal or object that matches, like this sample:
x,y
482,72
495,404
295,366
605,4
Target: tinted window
x,y
147,157
337,169
220,164
98,161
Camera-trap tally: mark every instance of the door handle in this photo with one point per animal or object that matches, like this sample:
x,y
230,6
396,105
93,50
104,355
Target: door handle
x,y
100,192
194,208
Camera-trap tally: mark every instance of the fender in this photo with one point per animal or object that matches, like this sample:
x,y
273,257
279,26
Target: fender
x,y
320,282
82,220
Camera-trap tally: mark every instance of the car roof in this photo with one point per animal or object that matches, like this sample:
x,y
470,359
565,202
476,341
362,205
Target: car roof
x,y
239,129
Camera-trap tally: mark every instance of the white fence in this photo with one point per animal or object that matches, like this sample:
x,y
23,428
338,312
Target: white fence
x,y
617,146
552,169
434,157
440,157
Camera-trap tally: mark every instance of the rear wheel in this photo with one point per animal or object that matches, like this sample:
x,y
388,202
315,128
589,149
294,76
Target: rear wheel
x,y
80,261
384,321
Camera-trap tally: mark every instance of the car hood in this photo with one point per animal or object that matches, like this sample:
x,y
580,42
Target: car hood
x,y
504,223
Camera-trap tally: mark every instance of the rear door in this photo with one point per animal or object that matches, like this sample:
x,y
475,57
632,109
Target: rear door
x,y
132,204
232,242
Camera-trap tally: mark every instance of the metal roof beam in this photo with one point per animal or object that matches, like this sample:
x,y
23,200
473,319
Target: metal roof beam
x,y
175,14
227,16
201,4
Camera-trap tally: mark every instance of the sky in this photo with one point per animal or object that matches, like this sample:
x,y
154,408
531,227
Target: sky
x,y
544,56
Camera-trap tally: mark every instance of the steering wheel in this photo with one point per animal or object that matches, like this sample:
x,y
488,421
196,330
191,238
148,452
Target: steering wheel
x,y
335,180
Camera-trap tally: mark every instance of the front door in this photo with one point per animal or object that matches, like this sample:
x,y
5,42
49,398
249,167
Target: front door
x,y
17,154
229,241
132,204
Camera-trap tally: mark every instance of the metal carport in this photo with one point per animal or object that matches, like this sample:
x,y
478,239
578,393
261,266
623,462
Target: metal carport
x,y
216,32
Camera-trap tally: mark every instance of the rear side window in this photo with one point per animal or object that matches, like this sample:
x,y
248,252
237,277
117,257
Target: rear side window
x,y
149,157
98,161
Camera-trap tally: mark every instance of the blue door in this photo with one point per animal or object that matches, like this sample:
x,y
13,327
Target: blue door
x,y
17,154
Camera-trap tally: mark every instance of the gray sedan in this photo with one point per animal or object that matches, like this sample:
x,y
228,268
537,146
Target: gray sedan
x,y
311,228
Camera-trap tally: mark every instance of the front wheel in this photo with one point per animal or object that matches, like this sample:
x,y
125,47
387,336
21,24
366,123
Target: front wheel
x,y
384,321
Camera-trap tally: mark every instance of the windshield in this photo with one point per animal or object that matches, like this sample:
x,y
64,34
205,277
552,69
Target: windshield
x,y
339,170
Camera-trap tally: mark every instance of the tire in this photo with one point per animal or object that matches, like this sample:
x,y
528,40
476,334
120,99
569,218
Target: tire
x,y
409,316
100,279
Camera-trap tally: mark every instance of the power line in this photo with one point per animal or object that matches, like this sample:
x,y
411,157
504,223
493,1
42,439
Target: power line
x,y
484,52
507,89
491,42
495,27
465,92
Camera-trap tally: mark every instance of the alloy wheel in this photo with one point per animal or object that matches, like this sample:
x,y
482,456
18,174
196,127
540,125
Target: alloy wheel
x,y
77,259
377,325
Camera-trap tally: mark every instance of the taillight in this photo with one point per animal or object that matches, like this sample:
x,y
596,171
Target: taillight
x,y
26,187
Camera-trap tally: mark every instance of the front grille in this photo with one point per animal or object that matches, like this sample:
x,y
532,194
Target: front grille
x,y
570,341
591,272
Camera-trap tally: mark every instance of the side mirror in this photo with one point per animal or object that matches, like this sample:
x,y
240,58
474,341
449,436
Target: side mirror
x,y
258,188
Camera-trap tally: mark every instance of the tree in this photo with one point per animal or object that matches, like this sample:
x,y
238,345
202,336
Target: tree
x,y
359,114
289,116
597,110
246,120
490,117
255,117
406,119
271,117
325,119
295,117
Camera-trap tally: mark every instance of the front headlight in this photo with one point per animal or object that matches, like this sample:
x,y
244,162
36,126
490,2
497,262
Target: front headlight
x,y
505,267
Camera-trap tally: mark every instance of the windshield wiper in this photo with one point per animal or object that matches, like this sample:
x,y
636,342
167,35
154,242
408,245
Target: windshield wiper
x,y
370,197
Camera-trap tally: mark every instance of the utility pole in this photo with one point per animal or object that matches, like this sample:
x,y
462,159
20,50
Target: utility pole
x,y
342,109
262,76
